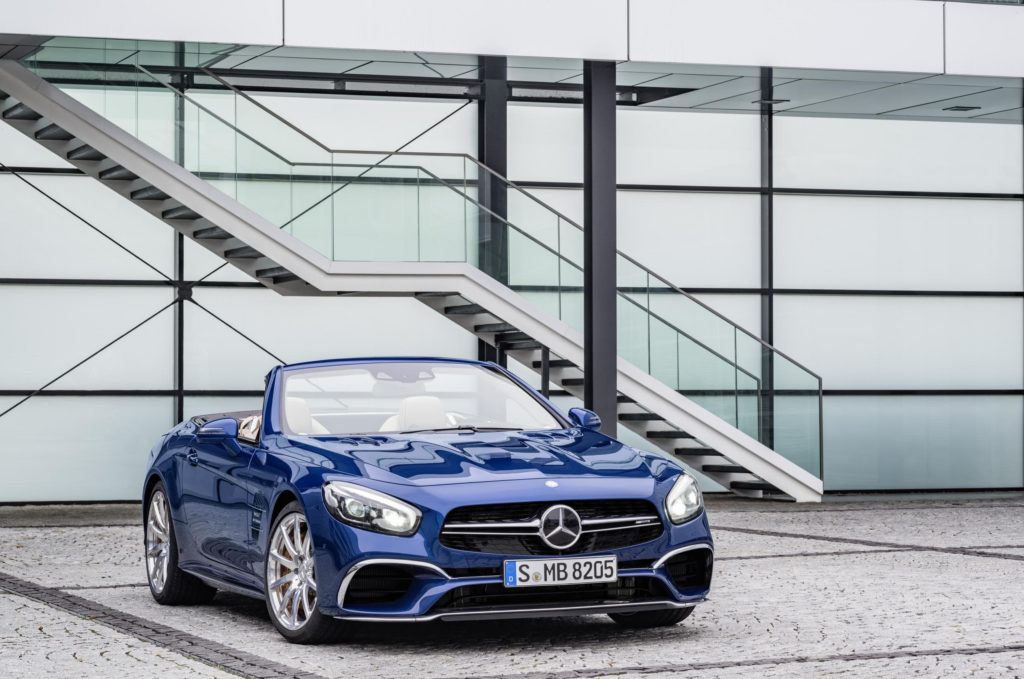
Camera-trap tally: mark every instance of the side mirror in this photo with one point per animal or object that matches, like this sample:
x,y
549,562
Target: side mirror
x,y
584,419
223,429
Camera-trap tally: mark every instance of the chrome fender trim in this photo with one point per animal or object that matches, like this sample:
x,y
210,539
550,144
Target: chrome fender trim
x,y
347,580
700,545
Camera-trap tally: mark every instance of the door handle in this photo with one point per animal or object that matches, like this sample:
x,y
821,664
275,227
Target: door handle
x,y
192,457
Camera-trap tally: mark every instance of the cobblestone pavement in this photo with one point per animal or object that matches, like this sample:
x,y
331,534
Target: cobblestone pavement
x,y
868,588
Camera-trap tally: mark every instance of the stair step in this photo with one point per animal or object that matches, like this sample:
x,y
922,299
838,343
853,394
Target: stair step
x,y
149,193
180,212
118,173
3,95
244,252
436,294
272,272
494,327
572,382
697,452
284,278
211,233
561,363
669,434
21,112
753,485
85,153
464,310
622,399
519,345
515,336
639,417
723,469
54,133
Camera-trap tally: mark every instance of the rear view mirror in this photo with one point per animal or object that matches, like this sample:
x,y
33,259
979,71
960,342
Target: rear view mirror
x,y
584,419
218,430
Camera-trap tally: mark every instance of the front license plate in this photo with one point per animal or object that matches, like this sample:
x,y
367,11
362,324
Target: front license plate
x,y
541,572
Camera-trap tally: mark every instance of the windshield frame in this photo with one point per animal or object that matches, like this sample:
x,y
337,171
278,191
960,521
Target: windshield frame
x,y
274,417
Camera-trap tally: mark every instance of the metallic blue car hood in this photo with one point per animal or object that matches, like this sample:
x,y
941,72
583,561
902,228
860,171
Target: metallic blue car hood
x,y
432,459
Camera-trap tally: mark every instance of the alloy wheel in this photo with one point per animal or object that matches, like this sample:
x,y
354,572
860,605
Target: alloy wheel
x,y
291,579
158,541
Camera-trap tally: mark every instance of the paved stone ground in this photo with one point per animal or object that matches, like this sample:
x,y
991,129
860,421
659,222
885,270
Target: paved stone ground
x,y
856,587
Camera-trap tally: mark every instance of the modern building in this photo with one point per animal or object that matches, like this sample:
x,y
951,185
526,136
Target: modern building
x,y
798,224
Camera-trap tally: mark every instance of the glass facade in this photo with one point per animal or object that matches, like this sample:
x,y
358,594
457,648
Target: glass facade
x,y
894,244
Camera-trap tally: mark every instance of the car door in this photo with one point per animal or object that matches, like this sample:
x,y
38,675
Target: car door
x,y
215,497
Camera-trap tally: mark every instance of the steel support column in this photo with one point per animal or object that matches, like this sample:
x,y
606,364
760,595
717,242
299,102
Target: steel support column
x,y
599,223
180,290
492,150
766,416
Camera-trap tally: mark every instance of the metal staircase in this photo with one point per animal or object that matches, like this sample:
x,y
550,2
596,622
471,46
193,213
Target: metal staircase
x,y
659,378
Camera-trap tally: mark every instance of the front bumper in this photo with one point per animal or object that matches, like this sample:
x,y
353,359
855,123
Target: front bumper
x,y
441,574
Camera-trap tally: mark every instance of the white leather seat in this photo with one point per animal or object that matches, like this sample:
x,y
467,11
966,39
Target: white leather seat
x,y
418,412
299,419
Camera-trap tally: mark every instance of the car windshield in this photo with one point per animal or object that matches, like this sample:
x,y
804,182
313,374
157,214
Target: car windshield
x,y
394,397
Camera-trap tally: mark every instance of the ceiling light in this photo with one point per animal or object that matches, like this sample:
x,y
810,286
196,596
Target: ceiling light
x,y
962,108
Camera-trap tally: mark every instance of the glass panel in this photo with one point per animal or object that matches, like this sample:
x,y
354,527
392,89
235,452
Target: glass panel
x,y
904,442
865,243
106,462
48,329
848,153
905,342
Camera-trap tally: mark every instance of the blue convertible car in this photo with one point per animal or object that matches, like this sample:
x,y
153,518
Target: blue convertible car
x,y
414,489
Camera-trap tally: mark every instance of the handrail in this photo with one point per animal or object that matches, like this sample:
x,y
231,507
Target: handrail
x,y
559,256
487,169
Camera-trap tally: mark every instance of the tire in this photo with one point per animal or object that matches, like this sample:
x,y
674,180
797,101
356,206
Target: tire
x,y
293,607
649,619
168,584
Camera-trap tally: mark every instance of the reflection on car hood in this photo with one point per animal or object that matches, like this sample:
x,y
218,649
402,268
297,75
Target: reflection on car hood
x,y
428,459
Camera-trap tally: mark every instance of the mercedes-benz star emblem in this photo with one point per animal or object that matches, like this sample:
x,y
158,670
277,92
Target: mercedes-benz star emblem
x,y
560,527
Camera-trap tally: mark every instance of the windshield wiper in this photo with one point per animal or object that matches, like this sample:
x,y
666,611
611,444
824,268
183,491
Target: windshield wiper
x,y
462,428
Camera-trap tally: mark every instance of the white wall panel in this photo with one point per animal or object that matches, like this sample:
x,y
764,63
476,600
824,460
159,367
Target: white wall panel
x,y
48,329
306,328
79,448
226,21
545,143
839,153
674,147
904,342
897,243
886,35
984,40
581,29
904,442
693,239
40,239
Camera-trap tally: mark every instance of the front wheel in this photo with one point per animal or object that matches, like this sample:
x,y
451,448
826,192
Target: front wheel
x,y
290,586
649,619
168,584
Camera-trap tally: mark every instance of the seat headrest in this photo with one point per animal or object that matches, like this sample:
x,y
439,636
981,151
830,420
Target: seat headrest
x,y
299,419
421,412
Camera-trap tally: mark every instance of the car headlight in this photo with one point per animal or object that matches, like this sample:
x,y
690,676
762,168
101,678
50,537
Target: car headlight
x,y
684,501
369,509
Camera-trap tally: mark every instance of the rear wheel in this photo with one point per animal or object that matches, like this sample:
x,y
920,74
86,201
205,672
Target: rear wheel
x,y
169,585
290,586
648,619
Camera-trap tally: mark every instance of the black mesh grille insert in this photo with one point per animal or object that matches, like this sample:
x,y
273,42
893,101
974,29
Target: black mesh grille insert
x,y
496,596
378,584
691,570
474,540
